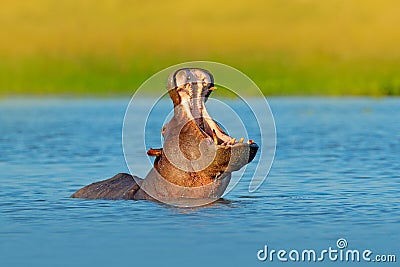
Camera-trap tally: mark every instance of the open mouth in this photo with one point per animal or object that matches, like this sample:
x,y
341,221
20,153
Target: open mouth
x,y
193,87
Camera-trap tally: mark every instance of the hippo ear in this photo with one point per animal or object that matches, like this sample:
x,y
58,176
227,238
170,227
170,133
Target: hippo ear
x,y
154,152
212,88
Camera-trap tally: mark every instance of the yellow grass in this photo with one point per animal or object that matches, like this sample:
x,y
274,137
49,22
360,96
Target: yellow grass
x,y
320,47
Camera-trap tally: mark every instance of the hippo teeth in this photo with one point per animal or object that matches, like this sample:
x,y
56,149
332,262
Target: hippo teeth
x,y
214,135
233,141
193,98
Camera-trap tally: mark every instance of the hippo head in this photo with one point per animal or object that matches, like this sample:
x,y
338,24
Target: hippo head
x,y
198,156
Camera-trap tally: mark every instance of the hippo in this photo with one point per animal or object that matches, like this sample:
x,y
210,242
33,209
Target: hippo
x,y
197,157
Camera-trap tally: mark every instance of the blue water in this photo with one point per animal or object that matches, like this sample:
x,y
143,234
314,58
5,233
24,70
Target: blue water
x,y
336,175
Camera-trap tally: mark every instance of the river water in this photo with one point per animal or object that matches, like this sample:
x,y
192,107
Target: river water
x,y
336,174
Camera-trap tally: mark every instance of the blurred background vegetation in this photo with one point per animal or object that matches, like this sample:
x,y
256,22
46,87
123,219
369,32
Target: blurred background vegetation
x,y
288,47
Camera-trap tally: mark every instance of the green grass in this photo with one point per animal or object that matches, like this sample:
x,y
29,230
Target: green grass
x,y
107,76
288,47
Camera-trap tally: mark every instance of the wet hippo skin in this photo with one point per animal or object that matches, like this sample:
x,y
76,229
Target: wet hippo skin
x,y
197,157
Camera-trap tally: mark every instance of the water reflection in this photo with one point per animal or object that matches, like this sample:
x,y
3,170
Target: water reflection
x,y
336,174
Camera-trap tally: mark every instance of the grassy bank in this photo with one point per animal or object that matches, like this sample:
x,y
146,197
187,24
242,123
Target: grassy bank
x,y
288,47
